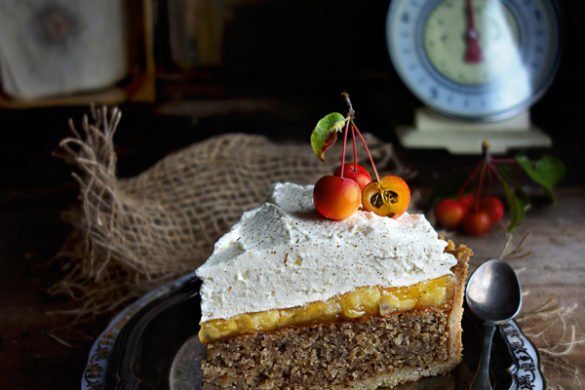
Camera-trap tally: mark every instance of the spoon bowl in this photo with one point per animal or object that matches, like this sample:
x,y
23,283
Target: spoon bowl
x,y
493,293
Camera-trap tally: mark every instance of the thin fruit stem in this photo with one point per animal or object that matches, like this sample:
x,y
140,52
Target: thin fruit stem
x,y
351,112
344,144
478,194
485,150
486,156
354,150
469,179
489,174
367,150
496,173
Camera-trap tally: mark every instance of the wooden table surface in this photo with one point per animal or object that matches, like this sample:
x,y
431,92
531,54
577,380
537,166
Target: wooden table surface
x,y
35,352
553,282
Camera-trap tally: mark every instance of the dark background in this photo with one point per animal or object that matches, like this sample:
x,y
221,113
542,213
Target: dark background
x,y
297,56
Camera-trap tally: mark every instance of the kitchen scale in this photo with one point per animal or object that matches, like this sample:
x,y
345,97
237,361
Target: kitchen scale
x,y
477,66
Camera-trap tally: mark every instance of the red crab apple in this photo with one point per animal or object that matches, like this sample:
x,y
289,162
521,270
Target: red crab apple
x,y
477,222
336,197
449,213
493,206
360,176
466,201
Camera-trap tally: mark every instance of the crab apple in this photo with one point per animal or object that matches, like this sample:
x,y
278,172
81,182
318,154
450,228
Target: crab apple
x,y
336,197
466,201
477,222
493,206
388,197
449,213
360,176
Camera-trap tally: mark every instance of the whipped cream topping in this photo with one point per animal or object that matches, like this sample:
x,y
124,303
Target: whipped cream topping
x,y
283,254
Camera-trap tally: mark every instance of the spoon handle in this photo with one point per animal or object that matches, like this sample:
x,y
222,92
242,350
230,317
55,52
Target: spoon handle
x,y
482,378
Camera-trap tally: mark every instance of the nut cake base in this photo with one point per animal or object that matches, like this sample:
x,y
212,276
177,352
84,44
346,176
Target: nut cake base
x,y
365,353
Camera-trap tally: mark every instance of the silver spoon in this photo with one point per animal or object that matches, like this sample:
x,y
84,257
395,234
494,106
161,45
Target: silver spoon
x,y
493,294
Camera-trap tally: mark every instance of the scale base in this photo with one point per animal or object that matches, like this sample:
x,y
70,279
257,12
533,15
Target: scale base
x,y
434,131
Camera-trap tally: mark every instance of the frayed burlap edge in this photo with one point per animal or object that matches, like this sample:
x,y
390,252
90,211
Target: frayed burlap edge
x,y
90,276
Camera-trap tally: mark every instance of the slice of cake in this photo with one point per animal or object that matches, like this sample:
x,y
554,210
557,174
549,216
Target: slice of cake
x,y
291,300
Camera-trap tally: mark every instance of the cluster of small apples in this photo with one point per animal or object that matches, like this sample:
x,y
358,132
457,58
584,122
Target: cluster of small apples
x,y
476,216
477,211
350,187
338,196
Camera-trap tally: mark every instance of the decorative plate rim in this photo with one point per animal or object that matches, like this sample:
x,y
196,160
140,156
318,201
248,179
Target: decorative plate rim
x,y
94,374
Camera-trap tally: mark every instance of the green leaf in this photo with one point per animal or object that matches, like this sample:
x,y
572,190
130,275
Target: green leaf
x,y
547,171
522,197
515,207
324,134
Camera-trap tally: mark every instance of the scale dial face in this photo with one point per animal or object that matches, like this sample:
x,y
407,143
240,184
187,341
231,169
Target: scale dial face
x,y
475,59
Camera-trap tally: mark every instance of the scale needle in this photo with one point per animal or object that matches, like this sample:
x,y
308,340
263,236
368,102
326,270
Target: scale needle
x,y
473,51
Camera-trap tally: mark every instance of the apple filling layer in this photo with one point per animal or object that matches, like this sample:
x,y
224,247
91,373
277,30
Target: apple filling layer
x,y
361,302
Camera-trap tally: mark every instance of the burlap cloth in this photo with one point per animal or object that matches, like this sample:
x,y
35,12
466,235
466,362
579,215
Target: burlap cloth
x,y
131,235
